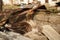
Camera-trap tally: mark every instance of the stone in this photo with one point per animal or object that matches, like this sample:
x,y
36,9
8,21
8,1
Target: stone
x,y
54,19
50,32
59,14
58,8
42,16
12,36
36,36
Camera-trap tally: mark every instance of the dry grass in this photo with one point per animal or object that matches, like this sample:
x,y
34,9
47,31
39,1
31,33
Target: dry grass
x,y
10,7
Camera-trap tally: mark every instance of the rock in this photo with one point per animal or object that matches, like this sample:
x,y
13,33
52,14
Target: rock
x,y
54,19
41,19
1,39
58,8
47,19
42,16
12,36
59,14
50,32
35,36
57,28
